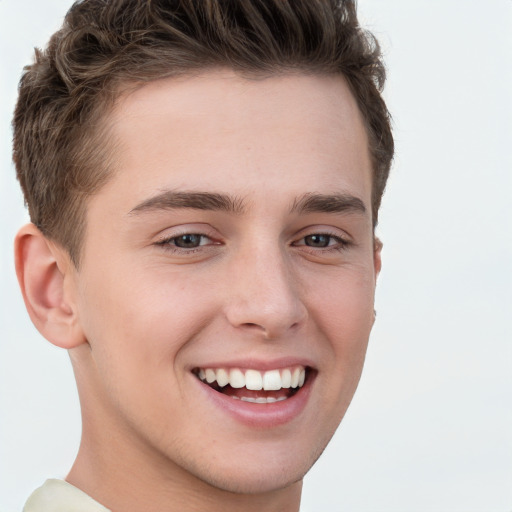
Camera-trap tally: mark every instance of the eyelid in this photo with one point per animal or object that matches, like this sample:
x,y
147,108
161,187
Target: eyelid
x,y
187,229
166,241
163,241
343,241
167,238
340,242
331,231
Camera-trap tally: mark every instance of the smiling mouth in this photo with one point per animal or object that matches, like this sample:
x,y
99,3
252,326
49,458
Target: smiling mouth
x,y
259,387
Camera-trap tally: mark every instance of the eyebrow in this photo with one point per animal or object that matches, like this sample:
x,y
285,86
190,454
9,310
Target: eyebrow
x,y
213,201
171,200
328,203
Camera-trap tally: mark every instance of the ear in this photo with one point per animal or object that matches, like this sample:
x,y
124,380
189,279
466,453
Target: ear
x,y
46,277
377,261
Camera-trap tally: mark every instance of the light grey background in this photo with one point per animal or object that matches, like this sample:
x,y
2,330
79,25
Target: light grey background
x,y
430,429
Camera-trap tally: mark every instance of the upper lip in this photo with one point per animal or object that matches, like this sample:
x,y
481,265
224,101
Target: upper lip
x,y
257,364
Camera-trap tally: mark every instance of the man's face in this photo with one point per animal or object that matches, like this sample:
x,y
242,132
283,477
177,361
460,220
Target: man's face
x,y
234,242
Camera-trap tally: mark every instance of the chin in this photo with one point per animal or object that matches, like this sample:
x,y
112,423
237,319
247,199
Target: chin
x,y
254,475
255,482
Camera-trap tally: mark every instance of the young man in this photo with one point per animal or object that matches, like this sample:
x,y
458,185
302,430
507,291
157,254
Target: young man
x,y
204,179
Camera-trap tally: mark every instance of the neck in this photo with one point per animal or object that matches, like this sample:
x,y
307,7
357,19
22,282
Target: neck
x,y
125,478
124,486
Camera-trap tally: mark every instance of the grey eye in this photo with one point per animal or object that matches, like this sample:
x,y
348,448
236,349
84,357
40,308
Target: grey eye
x,y
317,240
188,241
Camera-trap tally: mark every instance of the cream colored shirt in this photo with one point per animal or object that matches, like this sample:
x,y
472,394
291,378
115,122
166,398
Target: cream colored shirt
x,y
59,496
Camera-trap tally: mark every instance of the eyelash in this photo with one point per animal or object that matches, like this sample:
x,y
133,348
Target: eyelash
x,y
340,245
169,243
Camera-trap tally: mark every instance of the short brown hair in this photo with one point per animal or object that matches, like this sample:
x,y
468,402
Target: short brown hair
x,y
59,150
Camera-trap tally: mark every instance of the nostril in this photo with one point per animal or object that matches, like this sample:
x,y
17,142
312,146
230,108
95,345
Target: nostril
x,y
271,317
255,327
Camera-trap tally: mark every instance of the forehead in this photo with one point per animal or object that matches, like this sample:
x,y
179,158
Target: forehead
x,y
219,130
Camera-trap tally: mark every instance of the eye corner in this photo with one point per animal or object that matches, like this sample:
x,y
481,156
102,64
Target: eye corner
x,y
187,242
323,240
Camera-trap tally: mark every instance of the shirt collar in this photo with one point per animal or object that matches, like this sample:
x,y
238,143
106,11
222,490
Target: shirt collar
x,y
60,496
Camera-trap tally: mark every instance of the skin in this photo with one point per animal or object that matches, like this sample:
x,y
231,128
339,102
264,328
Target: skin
x,y
141,313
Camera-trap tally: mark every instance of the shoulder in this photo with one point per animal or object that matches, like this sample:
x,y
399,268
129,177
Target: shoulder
x,y
60,496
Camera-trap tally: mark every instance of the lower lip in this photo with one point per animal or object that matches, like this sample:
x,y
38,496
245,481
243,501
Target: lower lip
x,y
261,415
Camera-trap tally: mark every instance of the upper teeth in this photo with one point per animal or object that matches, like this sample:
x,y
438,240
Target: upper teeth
x,y
271,380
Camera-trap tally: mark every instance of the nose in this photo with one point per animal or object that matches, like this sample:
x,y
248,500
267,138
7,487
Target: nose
x,y
264,295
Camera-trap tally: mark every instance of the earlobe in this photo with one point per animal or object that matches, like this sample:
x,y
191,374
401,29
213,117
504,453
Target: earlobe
x,y
377,259
43,272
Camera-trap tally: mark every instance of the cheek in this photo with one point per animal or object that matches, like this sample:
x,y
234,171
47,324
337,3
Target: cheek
x,y
136,323
344,313
137,333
